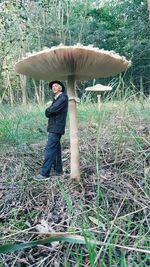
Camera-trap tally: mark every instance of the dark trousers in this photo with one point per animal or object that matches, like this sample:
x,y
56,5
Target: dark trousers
x,y
52,155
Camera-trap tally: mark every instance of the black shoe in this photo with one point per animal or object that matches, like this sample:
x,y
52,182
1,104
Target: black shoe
x,y
40,177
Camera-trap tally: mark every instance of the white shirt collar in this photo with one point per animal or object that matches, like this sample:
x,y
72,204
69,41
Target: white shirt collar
x,y
57,95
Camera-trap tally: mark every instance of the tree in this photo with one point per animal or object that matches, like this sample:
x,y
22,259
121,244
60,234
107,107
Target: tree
x,y
148,3
122,26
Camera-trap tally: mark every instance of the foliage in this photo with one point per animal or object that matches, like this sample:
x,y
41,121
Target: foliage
x,y
122,26
101,222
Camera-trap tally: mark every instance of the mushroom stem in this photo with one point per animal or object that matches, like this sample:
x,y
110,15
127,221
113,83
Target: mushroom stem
x,y
99,102
74,143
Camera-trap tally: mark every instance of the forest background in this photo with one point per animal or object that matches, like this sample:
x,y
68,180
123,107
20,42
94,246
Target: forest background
x,y
27,26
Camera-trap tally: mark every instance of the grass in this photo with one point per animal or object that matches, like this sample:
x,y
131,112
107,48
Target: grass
x,y
110,208
22,124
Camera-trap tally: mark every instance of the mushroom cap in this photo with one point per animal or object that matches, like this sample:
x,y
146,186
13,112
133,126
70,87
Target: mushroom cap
x,y
99,88
82,62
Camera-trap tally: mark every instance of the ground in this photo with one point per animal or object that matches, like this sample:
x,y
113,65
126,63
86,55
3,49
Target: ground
x,y
109,209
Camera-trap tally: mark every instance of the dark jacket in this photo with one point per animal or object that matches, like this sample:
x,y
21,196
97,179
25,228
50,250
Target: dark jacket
x,y
57,114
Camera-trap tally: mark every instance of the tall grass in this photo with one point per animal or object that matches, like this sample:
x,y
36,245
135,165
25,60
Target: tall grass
x,y
21,124
116,141
28,123
126,125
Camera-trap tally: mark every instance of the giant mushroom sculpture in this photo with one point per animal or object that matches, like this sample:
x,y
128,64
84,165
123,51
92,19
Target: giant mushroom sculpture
x,y
72,63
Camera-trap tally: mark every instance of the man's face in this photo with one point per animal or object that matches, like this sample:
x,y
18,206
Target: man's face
x,y
56,88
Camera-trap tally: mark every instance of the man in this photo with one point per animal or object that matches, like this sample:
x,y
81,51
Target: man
x,y
56,115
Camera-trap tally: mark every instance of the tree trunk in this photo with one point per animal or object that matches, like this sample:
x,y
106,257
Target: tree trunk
x,y
7,82
43,92
23,79
148,2
74,143
23,83
36,92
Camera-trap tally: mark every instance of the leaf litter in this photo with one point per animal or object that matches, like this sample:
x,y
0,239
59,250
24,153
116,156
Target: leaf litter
x,y
30,210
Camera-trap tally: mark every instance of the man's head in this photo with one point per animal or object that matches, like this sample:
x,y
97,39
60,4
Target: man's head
x,y
57,87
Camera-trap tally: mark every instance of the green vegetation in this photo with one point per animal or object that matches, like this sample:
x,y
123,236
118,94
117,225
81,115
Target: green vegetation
x,y
103,221
122,26
22,124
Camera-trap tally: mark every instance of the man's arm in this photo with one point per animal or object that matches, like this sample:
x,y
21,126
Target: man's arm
x,y
56,107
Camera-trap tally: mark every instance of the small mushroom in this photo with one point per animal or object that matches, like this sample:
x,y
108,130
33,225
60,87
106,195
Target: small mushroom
x,y
99,88
72,63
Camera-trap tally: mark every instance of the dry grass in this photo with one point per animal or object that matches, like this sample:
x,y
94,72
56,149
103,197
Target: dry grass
x,y
110,205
